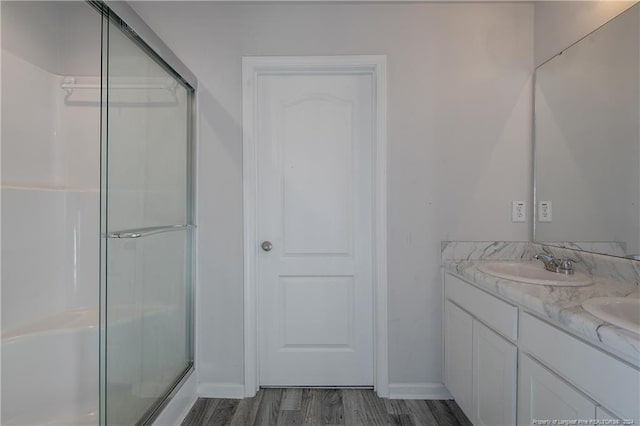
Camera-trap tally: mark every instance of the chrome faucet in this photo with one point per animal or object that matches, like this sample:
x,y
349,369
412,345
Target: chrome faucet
x,y
561,266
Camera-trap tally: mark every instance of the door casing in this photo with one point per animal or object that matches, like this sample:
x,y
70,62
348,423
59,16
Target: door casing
x,y
252,67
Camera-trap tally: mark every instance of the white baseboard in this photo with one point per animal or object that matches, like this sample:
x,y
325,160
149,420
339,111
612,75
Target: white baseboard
x,y
396,391
179,406
221,390
418,391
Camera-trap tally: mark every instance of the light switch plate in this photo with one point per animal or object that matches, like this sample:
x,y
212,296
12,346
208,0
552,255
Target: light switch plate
x,y
544,211
518,211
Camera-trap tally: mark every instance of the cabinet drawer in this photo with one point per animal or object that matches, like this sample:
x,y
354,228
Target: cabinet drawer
x,y
607,380
497,314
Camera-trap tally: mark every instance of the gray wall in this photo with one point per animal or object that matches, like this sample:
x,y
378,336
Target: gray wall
x,y
559,24
459,146
59,37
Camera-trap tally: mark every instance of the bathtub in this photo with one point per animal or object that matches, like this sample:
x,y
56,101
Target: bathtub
x,y
50,367
50,371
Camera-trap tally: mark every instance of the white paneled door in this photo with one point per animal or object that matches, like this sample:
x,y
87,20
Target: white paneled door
x,y
314,139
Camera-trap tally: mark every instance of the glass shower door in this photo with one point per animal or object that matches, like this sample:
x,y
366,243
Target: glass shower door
x,y
146,179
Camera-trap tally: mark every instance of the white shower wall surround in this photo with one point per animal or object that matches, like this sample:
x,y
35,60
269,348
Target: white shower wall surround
x,y
49,371
51,265
50,251
62,147
50,197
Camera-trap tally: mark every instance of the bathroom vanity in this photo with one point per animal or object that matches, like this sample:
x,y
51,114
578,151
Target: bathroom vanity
x,y
525,345
522,353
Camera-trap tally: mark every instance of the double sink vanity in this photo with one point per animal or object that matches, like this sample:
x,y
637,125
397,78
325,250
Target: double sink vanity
x,y
548,331
525,346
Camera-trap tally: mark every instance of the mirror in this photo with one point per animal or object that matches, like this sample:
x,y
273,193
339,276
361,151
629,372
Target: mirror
x,y
587,142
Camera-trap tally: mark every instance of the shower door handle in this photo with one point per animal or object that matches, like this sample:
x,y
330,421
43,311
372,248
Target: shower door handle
x,y
143,232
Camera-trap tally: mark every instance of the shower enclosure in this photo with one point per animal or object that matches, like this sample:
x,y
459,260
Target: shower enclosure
x,y
97,222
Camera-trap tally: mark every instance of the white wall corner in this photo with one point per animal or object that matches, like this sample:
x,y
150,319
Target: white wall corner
x,y
180,405
221,390
418,391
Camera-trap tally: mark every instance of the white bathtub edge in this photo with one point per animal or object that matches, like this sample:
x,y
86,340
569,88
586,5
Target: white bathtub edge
x,y
178,408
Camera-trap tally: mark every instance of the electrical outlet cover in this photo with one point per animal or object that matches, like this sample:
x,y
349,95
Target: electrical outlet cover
x,y
518,211
544,211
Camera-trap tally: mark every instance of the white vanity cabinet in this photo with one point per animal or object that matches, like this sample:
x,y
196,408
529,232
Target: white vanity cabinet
x,y
480,364
505,366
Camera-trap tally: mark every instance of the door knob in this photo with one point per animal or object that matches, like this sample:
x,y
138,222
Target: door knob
x,y
266,245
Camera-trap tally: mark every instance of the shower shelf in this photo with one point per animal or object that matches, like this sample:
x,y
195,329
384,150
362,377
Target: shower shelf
x,y
69,84
143,232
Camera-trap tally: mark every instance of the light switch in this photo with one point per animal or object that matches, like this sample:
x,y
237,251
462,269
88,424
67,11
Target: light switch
x,y
518,211
544,211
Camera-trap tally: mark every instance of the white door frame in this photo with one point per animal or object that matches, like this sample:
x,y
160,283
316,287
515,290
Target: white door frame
x,y
252,67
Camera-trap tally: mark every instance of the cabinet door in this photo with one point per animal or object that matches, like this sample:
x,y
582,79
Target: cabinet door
x,y
494,378
544,396
458,353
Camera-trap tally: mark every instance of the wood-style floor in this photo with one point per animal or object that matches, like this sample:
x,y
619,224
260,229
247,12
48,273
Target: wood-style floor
x,y
348,407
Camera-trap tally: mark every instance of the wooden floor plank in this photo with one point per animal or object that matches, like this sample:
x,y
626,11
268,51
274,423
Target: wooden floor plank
x,y
247,411
376,409
442,412
354,414
269,408
291,399
196,413
202,410
332,411
401,420
223,413
289,418
463,420
310,408
363,407
420,412
297,406
395,406
242,415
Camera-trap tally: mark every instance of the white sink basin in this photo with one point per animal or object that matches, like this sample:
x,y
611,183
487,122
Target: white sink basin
x,y
533,272
621,311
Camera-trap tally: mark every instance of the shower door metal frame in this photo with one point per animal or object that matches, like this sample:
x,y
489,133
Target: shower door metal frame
x,y
189,82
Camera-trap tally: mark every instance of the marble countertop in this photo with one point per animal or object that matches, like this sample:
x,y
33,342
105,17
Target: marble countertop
x,y
562,306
